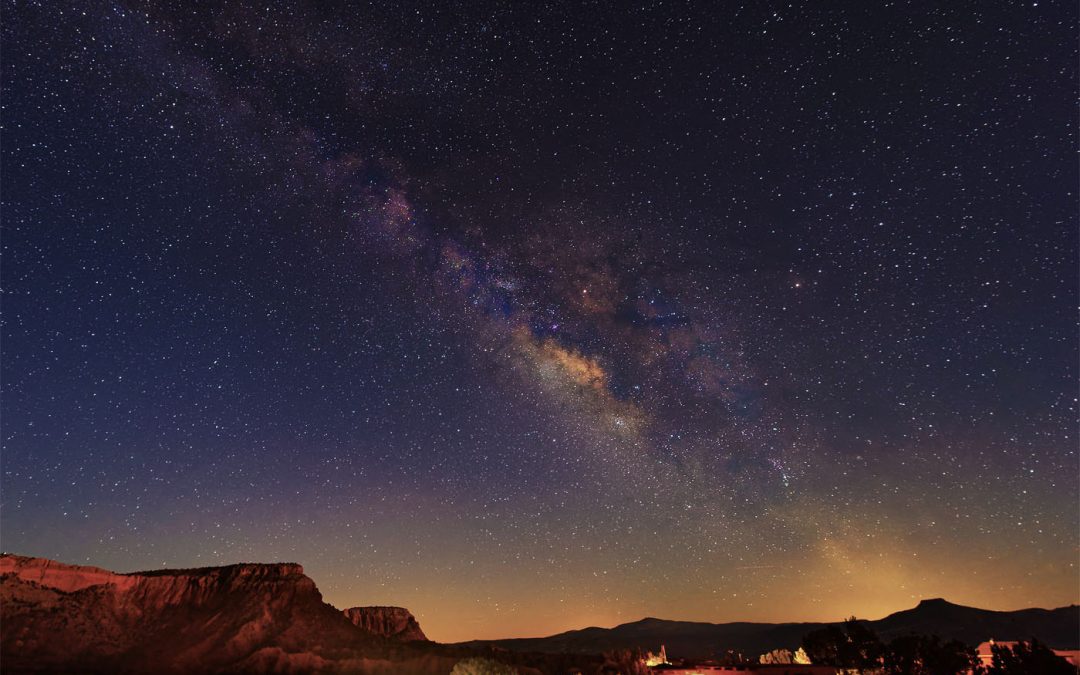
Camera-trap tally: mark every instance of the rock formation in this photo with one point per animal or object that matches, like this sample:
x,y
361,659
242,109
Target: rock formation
x,y
390,622
239,618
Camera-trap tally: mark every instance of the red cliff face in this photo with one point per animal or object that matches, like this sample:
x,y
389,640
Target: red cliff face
x,y
51,574
240,618
391,622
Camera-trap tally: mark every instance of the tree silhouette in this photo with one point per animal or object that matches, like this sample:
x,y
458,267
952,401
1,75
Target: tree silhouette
x,y
824,645
927,655
854,646
628,661
1028,658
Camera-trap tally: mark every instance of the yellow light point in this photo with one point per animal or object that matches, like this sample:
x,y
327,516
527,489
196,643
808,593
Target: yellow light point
x,y
657,659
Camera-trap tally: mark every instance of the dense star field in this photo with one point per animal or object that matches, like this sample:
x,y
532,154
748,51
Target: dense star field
x,y
533,316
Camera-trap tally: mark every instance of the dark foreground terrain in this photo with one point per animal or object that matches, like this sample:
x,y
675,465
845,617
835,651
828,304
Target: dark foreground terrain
x,y
271,618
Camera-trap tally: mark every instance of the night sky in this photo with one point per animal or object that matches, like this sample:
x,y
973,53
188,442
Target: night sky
x,y
533,316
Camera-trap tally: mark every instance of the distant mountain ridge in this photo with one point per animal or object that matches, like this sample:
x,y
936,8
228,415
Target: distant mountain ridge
x,y
1059,628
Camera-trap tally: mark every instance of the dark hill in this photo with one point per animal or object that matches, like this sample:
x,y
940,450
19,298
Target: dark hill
x,y
1059,628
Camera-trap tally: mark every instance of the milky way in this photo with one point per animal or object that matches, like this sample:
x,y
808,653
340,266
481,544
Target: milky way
x,y
535,317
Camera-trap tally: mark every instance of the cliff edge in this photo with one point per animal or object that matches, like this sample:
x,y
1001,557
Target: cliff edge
x,y
239,618
390,622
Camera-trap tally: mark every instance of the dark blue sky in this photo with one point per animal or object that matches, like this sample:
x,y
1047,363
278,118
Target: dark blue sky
x,y
533,317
